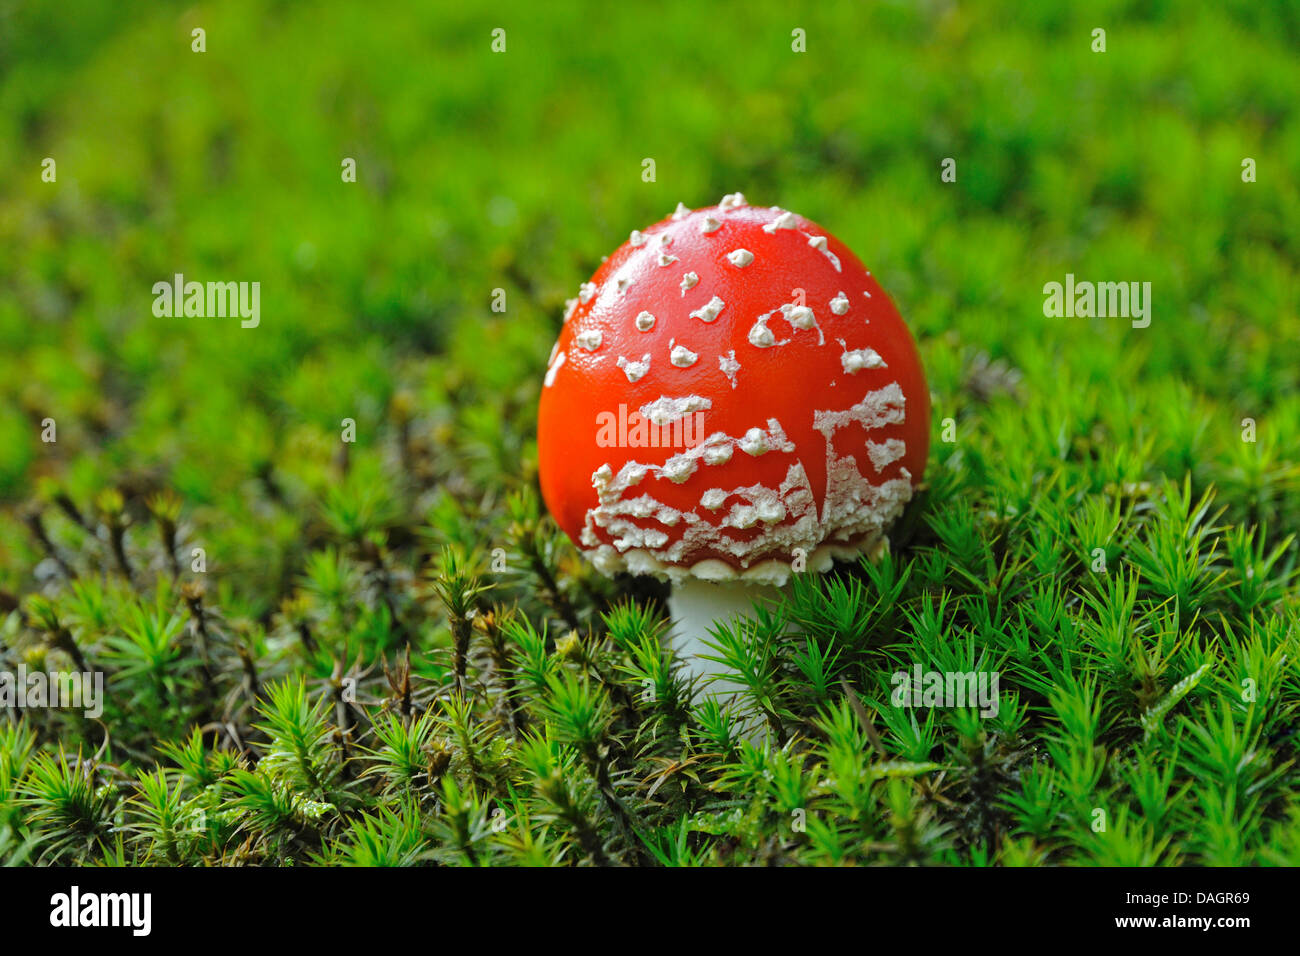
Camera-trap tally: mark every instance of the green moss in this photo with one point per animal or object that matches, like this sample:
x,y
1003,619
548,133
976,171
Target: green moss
x,y
354,678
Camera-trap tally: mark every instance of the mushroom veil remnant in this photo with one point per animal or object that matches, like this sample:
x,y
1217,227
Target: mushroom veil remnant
x,y
810,414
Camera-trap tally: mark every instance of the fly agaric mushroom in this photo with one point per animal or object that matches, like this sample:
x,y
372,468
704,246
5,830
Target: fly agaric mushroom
x,y
732,399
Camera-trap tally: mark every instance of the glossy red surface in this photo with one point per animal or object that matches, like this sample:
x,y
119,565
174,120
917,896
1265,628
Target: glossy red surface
x,y
787,382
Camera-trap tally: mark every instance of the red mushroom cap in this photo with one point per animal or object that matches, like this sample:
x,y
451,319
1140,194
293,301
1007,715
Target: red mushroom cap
x,y
732,390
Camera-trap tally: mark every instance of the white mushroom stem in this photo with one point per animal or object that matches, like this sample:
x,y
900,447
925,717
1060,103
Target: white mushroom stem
x,y
697,607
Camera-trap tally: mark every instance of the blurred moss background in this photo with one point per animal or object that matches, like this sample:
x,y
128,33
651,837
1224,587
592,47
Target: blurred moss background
x,y
519,170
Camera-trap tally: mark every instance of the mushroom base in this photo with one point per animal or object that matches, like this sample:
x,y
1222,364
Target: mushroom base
x,y
696,606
